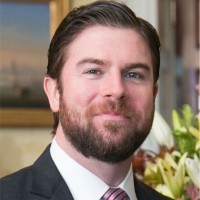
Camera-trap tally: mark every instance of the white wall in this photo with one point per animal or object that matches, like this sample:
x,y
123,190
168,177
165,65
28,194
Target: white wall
x,y
146,9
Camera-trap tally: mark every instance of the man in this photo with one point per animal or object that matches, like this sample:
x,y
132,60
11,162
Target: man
x,y
101,82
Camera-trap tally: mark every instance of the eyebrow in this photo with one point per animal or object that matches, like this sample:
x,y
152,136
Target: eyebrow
x,y
92,61
137,66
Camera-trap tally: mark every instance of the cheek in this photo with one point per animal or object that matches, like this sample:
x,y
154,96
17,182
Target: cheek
x,y
142,100
80,97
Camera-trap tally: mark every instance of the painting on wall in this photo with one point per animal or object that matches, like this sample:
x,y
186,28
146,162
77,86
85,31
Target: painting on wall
x,y
24,41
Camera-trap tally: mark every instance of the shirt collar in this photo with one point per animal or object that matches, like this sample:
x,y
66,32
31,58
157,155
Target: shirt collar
x,y
83,183
128,185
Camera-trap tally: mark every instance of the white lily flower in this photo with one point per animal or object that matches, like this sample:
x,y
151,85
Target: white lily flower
x,y
162,131
193,169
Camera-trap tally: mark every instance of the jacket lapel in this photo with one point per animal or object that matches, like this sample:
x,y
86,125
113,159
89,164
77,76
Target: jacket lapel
x,y
140,190
47,181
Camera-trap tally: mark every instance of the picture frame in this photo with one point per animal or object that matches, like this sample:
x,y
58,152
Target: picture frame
x,y
35,116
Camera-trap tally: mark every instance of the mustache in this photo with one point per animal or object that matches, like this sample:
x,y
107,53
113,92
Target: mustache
x,y
118,107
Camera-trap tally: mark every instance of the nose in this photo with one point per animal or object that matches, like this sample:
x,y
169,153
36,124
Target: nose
x,y
113,87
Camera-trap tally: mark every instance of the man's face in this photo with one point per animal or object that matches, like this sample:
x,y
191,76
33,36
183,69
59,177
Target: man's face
x,y
107,101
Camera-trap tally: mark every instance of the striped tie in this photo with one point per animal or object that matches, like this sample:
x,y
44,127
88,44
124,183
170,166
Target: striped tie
x,y
115,194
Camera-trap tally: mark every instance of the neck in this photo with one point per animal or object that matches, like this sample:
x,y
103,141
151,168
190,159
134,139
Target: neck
x,y
111,174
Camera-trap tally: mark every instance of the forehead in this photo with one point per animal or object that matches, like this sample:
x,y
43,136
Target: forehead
x,y
110,43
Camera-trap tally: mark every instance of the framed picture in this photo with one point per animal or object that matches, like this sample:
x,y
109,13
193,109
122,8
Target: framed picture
x,y
26,29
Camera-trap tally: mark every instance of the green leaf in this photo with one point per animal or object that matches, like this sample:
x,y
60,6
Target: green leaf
x,y
186,143
176,120
187,115
152,174
163,189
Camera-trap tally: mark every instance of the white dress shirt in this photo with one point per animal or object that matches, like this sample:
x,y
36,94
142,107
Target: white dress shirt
x,y
82,182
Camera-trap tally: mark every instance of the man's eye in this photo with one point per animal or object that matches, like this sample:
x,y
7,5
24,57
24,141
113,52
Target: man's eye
x,y
93,71
133,75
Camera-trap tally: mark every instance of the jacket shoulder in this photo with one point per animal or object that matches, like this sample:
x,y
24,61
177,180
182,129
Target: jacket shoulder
x,y
16,185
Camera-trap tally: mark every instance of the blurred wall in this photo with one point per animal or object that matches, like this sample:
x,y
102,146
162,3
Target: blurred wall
x,y
20,147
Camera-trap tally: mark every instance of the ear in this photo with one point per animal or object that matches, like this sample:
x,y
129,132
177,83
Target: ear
x,y
51,90
155,90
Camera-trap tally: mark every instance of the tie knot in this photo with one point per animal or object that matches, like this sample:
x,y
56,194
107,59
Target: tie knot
x,y
115,194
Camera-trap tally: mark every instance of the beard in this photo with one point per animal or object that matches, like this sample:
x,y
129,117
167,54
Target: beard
x,y
116,140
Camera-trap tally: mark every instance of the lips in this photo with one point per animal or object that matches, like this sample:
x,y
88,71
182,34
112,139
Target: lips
x,y
113,116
